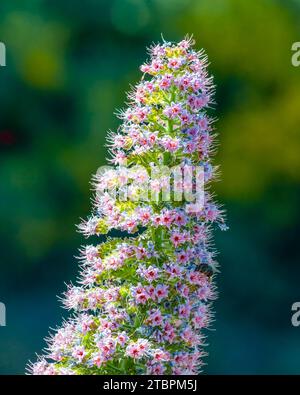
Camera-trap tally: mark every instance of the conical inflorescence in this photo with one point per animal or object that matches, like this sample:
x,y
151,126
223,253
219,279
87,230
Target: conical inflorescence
x,y
144,297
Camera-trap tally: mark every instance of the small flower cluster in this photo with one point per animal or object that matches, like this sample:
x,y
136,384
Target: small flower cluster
x,y
142,300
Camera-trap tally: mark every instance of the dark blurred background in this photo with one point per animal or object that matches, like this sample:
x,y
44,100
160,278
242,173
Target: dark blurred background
x,y
69,64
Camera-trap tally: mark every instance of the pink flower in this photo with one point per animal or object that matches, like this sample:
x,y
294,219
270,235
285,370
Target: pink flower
x,y
194,131
180,219
184,82
156,369
145,68
120,158
140,252
137,349
90,253
158,50
205,292
152,138
167,219
182,257
87,322
190,147
188,335
151,273
195,277
142,298
173,111
122,338
184,311
196,65
130,226
184,291
89,227
156,66
79,353
203,123
149,86
107,346
143,345
151,291
157,220
170,144
212,213
160,355
161,292
199,321
140,294
133,351
175,63
165,82
176,238
185,118
155,318
173,270
40,367
98,359
145,215
185,44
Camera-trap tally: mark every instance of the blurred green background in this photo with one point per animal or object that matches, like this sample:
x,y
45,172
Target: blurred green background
x,y
69,64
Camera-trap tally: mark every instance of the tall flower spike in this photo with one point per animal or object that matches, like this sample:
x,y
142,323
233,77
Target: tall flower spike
x,y
143,299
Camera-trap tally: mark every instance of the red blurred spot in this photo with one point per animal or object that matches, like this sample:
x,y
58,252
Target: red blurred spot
x,y
7,137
